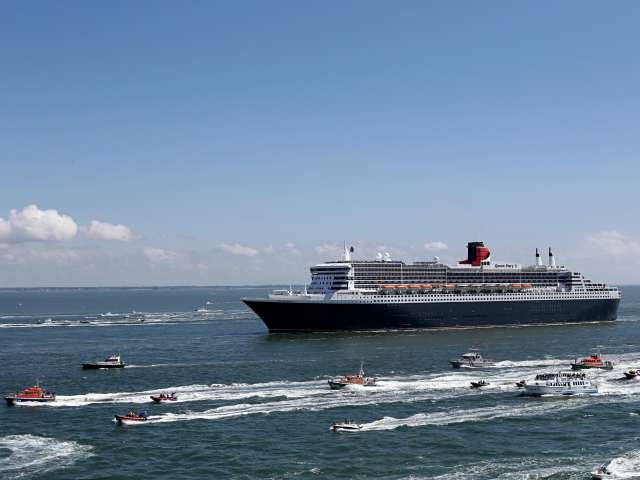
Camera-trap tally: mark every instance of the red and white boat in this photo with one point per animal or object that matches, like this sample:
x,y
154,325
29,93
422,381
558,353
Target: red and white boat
x,y
31,394
164,397
131,418
593,361
355,379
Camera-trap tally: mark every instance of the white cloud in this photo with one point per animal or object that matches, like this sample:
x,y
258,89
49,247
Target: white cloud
x,y
21,254
268,249
237,249
614,243
159,255
327,248
108,231
33,224
290,249
436,246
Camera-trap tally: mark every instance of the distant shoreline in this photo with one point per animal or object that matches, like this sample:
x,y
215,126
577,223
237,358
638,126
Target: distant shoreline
x,y
143,287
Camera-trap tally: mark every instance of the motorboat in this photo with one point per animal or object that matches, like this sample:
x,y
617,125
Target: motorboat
x,y
479,384
601,473
355,379
31,394
521,383
345,426
204,308
472,359
631,374
164,397
593,361
131,418
560,383
114,361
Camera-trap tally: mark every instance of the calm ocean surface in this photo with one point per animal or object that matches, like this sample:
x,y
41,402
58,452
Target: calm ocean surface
x,y
254,405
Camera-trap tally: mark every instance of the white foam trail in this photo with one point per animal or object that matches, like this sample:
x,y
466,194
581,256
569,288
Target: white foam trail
x,y
194,393
435,386
546,362
387,423
626,466
473,415
33,455
526,468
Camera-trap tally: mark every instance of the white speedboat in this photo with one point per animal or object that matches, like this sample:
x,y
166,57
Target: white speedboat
x,y
346,426
472,359
560,383
204,308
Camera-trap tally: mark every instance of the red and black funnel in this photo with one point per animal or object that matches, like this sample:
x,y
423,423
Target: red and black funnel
x,y
476,253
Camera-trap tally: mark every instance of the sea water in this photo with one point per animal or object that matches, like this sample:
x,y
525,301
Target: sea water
x,y
257,405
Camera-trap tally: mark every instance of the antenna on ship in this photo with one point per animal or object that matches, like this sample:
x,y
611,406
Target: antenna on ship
x,y
552,260
347,252
538,259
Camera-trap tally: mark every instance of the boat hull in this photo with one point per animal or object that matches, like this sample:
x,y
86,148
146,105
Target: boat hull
x,y
345,428
306,316
163,399
124,420
538,391
462,364
336,385
578,366
98,366
14,400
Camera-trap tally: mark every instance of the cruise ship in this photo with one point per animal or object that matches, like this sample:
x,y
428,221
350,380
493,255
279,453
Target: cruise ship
x,y
383,294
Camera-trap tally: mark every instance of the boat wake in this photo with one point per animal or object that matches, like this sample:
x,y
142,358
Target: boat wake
x,y
32,455
117,319
474,415
524,468
626,466
402,388
195,393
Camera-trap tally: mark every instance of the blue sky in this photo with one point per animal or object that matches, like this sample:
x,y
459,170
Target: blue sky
x,y
240,142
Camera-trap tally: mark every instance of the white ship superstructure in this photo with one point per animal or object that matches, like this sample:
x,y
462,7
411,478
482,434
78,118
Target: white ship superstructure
x,y
385,281
560,383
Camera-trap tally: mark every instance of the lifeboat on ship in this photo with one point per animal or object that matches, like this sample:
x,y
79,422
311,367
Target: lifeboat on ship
x,y
131,418
593,361
31,394
164,397
355,379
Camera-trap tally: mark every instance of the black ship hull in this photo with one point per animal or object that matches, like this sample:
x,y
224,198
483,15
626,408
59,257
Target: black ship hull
x,y
306,316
